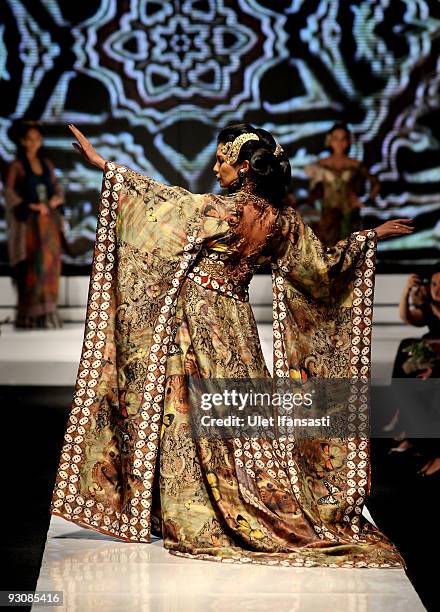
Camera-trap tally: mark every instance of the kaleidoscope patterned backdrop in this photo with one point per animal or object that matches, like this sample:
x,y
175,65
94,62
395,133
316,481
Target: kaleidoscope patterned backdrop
x,y
152,82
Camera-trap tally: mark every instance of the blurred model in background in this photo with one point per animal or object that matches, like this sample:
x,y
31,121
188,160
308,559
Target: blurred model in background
x,y
35,224
338,181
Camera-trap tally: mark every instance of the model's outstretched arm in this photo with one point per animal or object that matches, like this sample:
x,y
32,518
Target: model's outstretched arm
x,y
86,149
319,269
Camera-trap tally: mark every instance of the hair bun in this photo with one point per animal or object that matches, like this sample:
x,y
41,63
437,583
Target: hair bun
x,y
270,167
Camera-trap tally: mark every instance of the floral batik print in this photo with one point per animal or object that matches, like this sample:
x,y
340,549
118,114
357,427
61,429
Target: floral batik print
x,y
169,299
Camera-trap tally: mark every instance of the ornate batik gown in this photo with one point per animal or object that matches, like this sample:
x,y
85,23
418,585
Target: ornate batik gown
x,y
338,216
168,299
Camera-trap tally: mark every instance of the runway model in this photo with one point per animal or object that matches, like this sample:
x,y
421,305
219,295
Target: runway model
x,y
35,226
337,181
168,298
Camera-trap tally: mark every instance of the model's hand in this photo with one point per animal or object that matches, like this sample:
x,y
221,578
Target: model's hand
x,y
55,201
394,227
86,149
39,208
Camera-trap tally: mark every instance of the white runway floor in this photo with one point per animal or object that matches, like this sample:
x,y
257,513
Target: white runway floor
x,y
51,357
98,573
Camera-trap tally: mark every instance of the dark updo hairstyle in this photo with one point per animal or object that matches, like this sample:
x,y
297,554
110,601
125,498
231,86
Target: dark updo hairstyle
x,y
270,173
18,133
338,126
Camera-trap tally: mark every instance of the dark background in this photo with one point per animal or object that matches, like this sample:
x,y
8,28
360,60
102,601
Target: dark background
x,y
151,83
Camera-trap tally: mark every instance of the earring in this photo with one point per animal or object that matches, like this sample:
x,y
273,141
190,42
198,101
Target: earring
x,y
241,174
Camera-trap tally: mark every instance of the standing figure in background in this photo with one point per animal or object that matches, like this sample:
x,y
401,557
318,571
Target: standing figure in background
x,y
420,303
337,181
419,358
35,222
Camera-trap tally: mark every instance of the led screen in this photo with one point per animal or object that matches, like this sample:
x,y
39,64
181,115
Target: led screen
x,y
152,82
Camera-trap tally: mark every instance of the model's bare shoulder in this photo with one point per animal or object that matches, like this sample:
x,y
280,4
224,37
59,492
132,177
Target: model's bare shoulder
x,y
16,165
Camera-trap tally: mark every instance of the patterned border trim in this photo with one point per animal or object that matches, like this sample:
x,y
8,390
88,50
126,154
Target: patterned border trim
x,y
295,562
281,369
67,502
134,522
137,522
209,282
360,350
360,359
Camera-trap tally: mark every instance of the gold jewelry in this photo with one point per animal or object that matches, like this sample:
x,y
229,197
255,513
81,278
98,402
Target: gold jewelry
x,y
278,150
231,150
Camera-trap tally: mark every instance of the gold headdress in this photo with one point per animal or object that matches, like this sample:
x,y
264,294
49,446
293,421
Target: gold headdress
x,y
231,150
278,150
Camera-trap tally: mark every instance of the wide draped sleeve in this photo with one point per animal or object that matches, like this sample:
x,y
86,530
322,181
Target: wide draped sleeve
x,y
148,237
323,301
